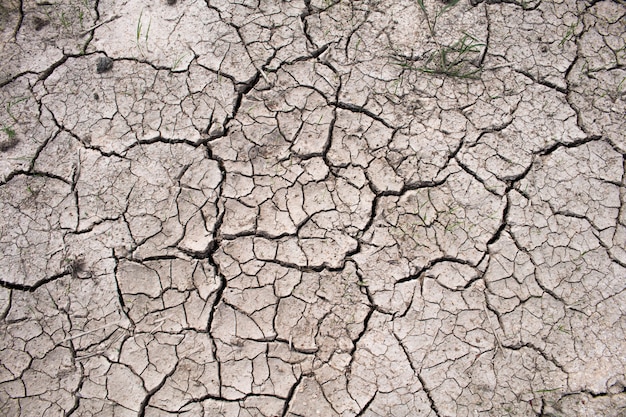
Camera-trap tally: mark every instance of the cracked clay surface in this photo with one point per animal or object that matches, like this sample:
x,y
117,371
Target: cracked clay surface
x,y
306,208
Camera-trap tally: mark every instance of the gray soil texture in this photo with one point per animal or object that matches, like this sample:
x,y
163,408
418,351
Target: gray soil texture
x,y
336,208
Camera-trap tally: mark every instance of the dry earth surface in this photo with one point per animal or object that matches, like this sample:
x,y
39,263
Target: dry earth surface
x,y
312,208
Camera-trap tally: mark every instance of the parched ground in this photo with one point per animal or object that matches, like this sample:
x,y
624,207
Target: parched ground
x,y
312,208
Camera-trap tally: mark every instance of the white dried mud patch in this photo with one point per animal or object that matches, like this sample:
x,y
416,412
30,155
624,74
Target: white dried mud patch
x,y
312,208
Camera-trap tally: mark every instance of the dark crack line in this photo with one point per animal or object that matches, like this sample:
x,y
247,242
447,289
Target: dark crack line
x,y
477,178
544,355
120,296
366,406
543,82
571,145
420,273
407,355
291,395
145,403
211,257
358,109
36,285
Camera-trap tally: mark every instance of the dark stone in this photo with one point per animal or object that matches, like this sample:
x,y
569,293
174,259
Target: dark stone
x,y
8,144
104,64
40,23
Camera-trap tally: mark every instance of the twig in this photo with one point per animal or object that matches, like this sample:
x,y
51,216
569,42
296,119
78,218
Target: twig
x,y
110,19
76,336
493,329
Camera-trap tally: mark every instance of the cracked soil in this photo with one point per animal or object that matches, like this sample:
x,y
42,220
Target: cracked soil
x,y
313,208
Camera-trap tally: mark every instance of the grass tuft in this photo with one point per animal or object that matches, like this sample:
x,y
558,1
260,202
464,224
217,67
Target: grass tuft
x,y
9,132
454,60
139,25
